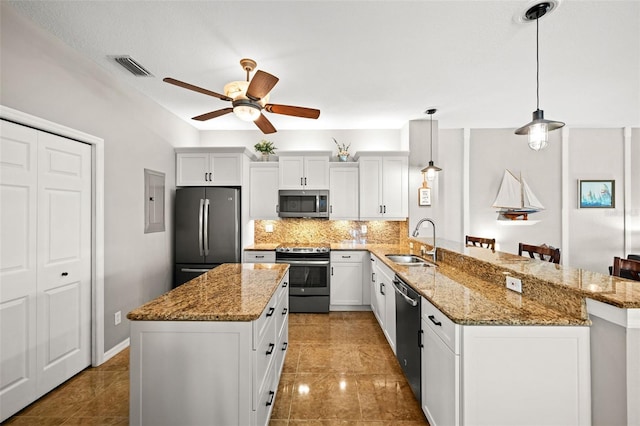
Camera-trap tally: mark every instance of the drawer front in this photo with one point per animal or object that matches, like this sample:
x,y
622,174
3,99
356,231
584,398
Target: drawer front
x,y
251,256
444,328
265,353
282,312
266,398
283,346
266,321
348,256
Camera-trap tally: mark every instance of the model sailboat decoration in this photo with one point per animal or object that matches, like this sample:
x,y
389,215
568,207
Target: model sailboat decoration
x,y
515,198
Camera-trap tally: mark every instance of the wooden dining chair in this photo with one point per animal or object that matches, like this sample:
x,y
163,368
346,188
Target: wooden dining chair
x,y
489,243
544,252
626,268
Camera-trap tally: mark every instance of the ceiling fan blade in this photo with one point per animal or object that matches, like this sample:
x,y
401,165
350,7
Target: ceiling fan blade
x,y
265,125
195,88
260,85
213,114
296,111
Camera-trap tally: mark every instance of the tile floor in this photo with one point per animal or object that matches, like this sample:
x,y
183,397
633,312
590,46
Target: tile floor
x,y
339,370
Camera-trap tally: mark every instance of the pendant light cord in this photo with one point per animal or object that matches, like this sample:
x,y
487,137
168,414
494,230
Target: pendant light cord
x,y
431,139
537,67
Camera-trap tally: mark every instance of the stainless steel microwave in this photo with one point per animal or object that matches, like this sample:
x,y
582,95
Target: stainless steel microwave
x,y
302,203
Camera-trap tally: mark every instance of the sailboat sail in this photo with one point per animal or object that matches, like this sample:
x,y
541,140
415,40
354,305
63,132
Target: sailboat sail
x,y
515,196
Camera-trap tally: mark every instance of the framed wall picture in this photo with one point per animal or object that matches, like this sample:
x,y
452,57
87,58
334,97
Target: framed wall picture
x,y
598,194
424,196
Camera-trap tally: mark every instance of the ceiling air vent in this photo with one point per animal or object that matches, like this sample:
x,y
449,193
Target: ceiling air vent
x,y
132,66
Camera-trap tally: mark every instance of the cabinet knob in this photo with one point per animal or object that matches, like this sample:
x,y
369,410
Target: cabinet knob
x,y
64,274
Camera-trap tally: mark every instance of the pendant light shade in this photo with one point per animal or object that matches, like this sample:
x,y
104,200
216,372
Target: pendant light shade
x,y
431,169
538,129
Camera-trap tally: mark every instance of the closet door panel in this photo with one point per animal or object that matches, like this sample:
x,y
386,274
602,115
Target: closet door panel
x,y
18,192
64,262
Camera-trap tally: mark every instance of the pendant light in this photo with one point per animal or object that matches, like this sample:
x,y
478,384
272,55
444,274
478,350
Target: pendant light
x,y
431,170
538,129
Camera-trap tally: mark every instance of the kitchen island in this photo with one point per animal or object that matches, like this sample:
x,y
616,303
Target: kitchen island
x,y
211,351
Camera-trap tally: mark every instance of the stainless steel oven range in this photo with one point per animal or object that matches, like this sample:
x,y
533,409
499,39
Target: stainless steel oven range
x,y
308,276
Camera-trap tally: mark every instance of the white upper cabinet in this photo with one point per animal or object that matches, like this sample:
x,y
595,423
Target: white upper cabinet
x,y
263,203
209,166
384,180
343,191
308,171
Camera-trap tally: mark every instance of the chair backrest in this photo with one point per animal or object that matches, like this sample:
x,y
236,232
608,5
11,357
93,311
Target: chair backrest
x,y
633,257
489,243
626,268
544,252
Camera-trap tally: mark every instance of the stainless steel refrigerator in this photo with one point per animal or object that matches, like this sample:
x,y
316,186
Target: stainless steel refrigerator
x,y
207,230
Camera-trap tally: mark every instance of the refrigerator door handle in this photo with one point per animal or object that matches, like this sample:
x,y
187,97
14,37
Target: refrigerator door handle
x,y
200,224
206,227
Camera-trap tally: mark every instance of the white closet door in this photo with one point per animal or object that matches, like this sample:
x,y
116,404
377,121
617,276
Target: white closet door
x,y
18,192
64,259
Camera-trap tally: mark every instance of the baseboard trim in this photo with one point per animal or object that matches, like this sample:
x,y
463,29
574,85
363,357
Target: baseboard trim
x,y
115,350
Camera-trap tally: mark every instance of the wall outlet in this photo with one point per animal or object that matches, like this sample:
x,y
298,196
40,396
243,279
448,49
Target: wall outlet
x,y
117,318
268,227
514,284
410,244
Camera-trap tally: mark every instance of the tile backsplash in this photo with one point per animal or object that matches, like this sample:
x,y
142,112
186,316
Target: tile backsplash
x,y
330,231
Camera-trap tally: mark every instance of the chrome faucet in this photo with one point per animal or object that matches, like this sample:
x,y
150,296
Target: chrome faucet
x,y
417,230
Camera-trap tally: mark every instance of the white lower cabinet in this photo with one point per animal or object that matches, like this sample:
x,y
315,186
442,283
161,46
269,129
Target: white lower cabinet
x,y
209,372
346,278
259,256
504,375
383,299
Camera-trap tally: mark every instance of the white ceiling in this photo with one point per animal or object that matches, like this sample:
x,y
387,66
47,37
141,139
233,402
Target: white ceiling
x,y
371,64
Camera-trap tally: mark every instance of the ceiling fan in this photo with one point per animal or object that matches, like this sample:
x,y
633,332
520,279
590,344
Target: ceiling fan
x,y
249,98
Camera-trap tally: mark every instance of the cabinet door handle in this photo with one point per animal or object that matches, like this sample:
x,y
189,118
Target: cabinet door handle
x,y
301,184
205,176
259,256
382,288
271,311
284,284
373,277
271,348
284,311
433,320
305,181
64,274
271,395
332,271
380,209
384,209
284,346
331,209
346,257
420,344
277,208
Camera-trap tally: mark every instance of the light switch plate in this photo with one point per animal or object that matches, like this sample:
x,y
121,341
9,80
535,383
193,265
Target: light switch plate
x,y
514,284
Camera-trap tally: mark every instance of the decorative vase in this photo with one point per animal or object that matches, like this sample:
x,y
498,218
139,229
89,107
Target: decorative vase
x,y
343,157
265,156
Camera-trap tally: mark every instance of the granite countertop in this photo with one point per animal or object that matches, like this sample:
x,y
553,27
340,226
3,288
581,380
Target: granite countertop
x,y
230,292
470,300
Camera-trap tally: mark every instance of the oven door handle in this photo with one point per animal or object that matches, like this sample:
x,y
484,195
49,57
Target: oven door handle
x,y
303,262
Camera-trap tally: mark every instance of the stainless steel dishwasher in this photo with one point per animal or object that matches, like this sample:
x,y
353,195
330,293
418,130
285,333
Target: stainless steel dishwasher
x,y
408,333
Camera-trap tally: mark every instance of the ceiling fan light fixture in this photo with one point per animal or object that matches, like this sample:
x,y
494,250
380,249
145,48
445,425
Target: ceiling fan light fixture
x,y
538,129
246,110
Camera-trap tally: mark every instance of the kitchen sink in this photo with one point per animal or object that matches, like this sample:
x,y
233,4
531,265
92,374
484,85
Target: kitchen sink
x,y
408,260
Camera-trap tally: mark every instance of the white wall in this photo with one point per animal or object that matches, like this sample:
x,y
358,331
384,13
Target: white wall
x,y
45,78
308,140
594,236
